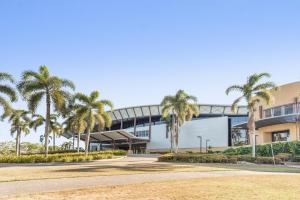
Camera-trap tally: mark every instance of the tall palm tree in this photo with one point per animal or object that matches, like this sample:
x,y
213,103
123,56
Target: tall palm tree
x,y
182,107
254,93
19,124
38,85
93,111
8,91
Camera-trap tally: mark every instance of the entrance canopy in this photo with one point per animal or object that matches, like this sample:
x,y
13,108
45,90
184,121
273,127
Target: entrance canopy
x,y
112,136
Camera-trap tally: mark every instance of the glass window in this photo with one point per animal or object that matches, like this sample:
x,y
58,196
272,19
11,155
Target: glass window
x,y
280,136
277,111
288,109
268,113
142,133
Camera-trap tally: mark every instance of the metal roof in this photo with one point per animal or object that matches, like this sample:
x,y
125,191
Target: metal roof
x,y
156,110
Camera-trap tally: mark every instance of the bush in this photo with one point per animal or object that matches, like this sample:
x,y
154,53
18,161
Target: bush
x,y
292,148
62,157
216,158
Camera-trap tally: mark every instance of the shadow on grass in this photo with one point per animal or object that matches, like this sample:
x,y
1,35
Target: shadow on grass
x,y
131,168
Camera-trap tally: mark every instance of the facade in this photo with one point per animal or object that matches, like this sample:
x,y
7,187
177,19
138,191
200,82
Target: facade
x,y
141,129
279,121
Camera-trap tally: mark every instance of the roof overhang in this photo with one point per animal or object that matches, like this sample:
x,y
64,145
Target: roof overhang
x,y
110,136
271,121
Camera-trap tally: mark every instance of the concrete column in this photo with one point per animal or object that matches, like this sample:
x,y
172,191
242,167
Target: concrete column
x,y
134,125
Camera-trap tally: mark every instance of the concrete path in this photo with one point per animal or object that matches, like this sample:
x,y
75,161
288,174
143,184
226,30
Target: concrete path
x,y
48,185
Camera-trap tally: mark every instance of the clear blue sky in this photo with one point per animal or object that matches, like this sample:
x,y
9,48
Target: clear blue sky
x,y
135,52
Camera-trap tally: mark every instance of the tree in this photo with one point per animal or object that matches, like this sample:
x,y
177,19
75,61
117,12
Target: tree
x,y
254,93
38,85
76,124
92,110
8,91
182,107
19,124
54,126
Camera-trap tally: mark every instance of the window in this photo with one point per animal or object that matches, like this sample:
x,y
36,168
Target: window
x,y
277,111
280,136
142,133
268,113
288,109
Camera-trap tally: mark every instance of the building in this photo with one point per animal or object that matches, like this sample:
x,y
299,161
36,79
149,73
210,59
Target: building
x,y
279,121
141,129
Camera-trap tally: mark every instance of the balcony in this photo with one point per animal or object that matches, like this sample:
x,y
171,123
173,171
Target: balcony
x,y
289,109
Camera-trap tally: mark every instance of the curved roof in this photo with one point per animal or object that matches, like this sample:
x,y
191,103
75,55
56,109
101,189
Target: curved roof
x,y
156,110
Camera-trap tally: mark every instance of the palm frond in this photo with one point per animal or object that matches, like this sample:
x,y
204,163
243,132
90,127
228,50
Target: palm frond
x,y
6,77
265,96
34,100
68,84
264,86
234,105
232,88
9,91
82,97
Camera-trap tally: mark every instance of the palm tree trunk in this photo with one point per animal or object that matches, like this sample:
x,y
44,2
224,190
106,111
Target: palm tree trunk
x,y
251,128
53,141
172,133
18,143
48,104
78,140
177,137
87,142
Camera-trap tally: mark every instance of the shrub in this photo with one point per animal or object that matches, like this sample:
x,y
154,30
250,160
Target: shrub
x,y
60,157
216,158
266,151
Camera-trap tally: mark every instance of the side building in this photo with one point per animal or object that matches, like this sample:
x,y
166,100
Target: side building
x,y
281,120
141,129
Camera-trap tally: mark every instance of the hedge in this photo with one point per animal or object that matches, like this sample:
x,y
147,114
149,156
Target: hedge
x,y
265,150
66,157
216,158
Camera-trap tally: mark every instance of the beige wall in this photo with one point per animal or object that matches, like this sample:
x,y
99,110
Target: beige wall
x,y
286,94
265,133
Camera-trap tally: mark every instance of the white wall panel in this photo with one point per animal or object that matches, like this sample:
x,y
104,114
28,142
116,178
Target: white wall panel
x,y
214,129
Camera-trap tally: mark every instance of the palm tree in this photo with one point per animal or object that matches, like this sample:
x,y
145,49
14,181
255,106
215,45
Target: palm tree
x,y
254,93
19,123
92,110
54,126
182,108
8,91
76,124
38,85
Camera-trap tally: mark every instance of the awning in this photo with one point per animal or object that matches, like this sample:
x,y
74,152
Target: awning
x,y
110,136
271,121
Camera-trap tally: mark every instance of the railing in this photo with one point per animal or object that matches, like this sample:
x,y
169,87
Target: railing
x,y
288,109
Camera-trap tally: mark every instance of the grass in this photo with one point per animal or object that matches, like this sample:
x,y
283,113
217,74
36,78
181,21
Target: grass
x,y
257,168
22,173
283,187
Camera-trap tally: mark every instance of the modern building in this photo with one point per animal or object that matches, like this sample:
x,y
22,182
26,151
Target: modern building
x,y
280,120
141,129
